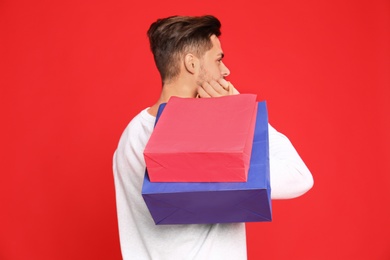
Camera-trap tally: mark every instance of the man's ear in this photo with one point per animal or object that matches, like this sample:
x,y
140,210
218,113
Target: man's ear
x,y
190,63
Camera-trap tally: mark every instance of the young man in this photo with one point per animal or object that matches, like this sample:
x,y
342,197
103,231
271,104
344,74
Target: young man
x,y
188,55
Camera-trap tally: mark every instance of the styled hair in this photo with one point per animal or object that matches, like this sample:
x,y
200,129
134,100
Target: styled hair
x,y
172,37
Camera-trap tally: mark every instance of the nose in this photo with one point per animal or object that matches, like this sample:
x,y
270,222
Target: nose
x,y
224,70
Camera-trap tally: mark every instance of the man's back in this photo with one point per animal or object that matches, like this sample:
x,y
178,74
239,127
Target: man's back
x,y
139,236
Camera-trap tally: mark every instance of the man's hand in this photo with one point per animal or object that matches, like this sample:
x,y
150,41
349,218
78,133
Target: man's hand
x,y
217,88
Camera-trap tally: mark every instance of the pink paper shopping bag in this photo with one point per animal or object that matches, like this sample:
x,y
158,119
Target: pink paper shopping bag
x,y
203,140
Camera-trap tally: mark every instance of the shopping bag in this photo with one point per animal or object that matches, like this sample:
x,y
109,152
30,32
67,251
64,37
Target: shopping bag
x,y
224,202
202,140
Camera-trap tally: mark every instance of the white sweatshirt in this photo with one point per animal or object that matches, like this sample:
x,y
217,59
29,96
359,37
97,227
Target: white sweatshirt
x,y
141,239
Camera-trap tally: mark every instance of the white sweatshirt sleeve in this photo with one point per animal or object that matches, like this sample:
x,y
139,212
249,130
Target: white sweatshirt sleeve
x,y
290,177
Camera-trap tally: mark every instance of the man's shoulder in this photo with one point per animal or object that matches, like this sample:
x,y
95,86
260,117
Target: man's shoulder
x,y
143,119
141,124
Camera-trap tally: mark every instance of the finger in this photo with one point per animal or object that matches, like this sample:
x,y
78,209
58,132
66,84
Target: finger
x,y
219,88
224,83
232,89
202,93
213,88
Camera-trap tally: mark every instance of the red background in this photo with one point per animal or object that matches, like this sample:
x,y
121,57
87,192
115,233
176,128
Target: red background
x,y
73,73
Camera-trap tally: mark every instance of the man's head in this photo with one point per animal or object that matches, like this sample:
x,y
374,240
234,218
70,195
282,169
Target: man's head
x,y
178,40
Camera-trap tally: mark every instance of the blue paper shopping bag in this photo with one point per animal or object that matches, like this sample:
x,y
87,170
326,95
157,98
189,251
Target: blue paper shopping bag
x,y
217,202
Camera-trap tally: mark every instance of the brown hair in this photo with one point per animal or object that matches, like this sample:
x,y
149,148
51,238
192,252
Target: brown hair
x,y
172,37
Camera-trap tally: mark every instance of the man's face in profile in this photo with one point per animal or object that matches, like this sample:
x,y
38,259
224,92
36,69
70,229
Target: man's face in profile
x,y
211,65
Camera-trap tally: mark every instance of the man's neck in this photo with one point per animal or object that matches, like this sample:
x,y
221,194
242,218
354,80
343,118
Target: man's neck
x,y
177,89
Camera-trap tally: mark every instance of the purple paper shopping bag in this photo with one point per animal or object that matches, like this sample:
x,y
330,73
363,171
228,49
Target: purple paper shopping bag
x,y
224,202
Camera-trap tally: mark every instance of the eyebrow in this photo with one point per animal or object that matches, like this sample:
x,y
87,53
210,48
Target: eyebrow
x,y
221,55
